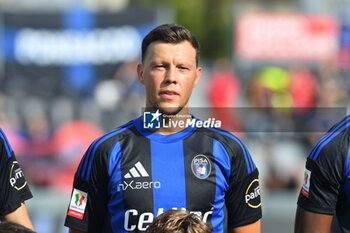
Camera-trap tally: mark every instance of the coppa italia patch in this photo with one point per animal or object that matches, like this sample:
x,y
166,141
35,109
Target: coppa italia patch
x,y
77,204
306,185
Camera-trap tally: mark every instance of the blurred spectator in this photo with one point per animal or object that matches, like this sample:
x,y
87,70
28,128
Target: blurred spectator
x,y
61,110
223,95
327,108
224,87
302,88
330,92
121,97
273,94
11,123
71,140
267,92
38,150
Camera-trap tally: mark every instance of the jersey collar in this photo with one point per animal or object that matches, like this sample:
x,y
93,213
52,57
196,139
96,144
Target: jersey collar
x,y
138,122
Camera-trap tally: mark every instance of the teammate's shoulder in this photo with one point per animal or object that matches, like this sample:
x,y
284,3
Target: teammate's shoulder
x,y
5,144
2,136
336,140
342,126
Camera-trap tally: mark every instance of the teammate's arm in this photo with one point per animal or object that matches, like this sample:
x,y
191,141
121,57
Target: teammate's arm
x,y
310,222
20,216
323,180
250,228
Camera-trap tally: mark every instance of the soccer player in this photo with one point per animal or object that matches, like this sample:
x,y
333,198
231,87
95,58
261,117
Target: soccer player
x,y
178,221
326,188
134,173
14,188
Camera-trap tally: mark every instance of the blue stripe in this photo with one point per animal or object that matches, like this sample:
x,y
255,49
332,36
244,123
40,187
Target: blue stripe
x,y
6,143
332,133
84,160
116,206
170,172
7,43
334,128
86,168
347,176
248,160
78,18
79,76
222,167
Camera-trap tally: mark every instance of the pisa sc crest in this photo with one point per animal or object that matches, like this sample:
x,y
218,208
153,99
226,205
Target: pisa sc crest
x,y
201,166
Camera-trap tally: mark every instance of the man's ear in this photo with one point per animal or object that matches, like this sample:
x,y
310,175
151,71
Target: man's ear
x,y
140,73
198,75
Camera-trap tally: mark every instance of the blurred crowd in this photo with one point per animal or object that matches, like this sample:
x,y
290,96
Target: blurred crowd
x,y
278,111
51,133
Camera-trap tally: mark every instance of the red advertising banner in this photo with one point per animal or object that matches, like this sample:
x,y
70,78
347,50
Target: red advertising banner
x,y
285,36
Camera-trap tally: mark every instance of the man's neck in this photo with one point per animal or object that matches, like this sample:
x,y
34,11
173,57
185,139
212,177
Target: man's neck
x,y
173,123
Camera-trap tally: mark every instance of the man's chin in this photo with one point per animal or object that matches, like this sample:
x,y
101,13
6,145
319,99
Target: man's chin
x,y
170,110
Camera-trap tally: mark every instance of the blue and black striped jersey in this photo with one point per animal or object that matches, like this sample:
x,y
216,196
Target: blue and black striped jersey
x,y
131,175
14,188
326,187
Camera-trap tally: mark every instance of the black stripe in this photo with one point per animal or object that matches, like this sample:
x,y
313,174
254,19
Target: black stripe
x,y
136,149
200,193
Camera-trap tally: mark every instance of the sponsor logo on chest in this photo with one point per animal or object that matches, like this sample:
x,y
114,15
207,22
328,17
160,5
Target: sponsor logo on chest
x,y
135,220
130,179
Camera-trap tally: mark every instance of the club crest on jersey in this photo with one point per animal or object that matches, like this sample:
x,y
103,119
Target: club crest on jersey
x,y
306,185
77,204
201,166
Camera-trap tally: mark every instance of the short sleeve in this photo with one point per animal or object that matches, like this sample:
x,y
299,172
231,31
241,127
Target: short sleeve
x,y
88,204
322,183
243,199
14,187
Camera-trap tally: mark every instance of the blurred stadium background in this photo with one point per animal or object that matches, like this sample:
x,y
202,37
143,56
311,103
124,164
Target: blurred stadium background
x,y
276,72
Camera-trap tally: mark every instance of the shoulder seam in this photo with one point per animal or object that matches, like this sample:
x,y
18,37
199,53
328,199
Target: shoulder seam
x,y
247,157
329,136
6,143
84,168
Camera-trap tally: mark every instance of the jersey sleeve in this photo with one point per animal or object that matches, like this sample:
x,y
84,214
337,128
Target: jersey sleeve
x,y
322,179
88,205
243,196
14,187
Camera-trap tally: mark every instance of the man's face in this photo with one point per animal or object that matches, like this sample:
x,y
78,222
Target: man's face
x,y
169,73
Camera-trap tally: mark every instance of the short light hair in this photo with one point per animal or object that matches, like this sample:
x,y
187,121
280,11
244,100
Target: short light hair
x,y
178,221
11,227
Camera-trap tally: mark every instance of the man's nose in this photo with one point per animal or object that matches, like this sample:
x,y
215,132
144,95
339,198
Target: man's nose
x,y
171,75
